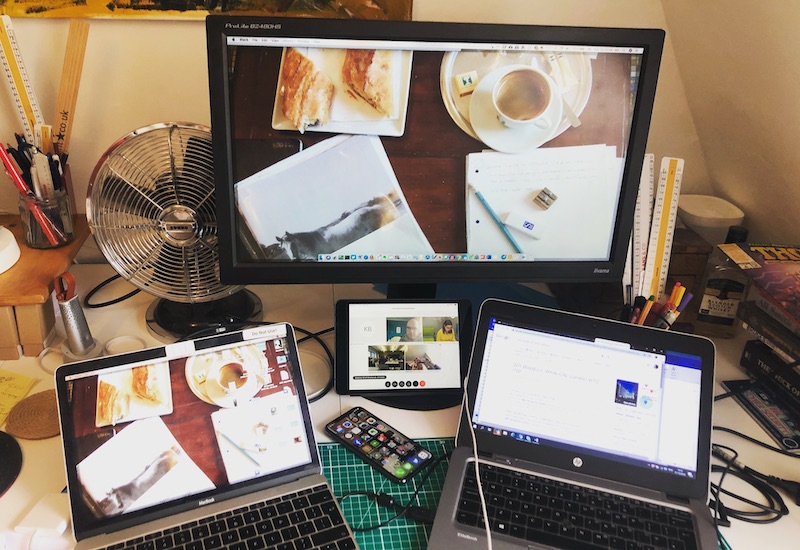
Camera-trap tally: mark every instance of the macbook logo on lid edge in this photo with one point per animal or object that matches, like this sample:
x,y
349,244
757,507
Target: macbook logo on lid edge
x,y
206,501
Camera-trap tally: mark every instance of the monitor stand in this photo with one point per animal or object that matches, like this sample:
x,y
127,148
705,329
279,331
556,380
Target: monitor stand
x,y
419,402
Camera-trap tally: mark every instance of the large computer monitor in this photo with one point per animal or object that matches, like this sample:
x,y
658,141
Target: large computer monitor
x,y
422,152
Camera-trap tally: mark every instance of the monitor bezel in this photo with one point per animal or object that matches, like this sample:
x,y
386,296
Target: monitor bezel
x,y
234,271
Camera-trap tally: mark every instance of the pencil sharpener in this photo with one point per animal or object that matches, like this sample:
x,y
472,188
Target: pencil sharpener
x,y
545,198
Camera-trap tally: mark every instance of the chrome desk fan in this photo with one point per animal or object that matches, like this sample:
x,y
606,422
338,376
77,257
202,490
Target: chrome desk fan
x,y
151,208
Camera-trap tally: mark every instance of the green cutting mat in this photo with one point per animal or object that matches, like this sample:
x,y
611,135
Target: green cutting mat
x,y
347,473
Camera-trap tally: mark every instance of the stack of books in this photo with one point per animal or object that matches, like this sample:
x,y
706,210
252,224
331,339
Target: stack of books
x,y
771,314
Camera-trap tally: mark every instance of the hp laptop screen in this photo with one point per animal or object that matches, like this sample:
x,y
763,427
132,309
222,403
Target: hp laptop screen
x,y
599,397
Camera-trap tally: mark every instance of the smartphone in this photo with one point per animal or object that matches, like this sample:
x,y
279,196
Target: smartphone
x,y
388,451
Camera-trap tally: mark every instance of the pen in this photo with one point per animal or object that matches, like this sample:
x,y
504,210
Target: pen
x,y
646,310
674,294
245,453
687,297
497,220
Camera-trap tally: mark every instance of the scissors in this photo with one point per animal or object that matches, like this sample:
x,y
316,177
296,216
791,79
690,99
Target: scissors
x,y
65,286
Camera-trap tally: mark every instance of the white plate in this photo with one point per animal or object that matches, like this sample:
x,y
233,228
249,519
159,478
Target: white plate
x,y
198,368
497,135
138,407
350,114
575,80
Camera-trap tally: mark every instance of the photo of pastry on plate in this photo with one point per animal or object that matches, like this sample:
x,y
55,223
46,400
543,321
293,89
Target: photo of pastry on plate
x,y
132,394
350,91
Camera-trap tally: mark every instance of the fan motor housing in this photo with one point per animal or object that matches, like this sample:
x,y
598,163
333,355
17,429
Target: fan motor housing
x,y
180,225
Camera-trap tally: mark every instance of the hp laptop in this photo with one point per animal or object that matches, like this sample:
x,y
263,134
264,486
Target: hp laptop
x,y
580,432
198,444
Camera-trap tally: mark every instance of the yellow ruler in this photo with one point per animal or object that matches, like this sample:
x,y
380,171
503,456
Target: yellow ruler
x,y
24,97
642,219
662,229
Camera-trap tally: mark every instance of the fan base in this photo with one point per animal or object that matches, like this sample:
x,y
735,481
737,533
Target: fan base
x,y
170,321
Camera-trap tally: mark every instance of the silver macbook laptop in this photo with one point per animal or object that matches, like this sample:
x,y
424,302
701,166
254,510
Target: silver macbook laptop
x,y
199,444
580,432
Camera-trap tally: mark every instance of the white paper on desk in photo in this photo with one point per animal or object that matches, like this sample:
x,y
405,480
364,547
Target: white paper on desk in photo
x,y
579,224
283,446
346,107
125,456
314,187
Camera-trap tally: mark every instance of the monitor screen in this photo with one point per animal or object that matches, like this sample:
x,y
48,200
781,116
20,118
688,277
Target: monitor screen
x,y
417,152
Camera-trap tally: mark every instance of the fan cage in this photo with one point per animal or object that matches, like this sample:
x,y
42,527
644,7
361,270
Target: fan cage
x,y
152,211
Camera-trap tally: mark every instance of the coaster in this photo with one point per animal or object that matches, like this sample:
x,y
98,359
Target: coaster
x,y
35,417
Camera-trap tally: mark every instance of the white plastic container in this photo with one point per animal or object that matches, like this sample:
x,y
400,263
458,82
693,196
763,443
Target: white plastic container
x,y
709,216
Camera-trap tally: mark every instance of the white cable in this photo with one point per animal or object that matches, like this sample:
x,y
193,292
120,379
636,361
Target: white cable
x,y
477,471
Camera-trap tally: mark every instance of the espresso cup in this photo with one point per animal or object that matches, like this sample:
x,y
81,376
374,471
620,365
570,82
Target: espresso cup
x,y
522,96
231,377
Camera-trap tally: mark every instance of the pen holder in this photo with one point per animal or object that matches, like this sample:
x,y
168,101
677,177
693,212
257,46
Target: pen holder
x,y
46,223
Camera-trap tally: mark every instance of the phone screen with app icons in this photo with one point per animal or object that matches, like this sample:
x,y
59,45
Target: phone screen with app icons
x,y
390,452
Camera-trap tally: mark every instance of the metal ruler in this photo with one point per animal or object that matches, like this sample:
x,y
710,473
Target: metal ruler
x,y
14,69
662,229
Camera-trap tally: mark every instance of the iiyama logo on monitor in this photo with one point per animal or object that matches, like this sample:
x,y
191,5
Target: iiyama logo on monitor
x,y
601,270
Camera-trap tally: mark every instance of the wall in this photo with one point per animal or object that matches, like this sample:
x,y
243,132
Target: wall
x,y
137,73
739,62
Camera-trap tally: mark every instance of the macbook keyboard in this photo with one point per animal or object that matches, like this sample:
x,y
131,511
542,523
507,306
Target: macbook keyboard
x,y
297,521
543,510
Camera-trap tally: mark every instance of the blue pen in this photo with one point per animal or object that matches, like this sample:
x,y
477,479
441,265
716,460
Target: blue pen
x,y
497,220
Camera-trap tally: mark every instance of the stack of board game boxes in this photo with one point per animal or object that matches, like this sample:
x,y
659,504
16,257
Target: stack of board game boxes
x,y
771,314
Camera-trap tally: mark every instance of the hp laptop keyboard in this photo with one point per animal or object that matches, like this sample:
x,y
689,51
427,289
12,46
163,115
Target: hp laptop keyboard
x,y
538,509
306,519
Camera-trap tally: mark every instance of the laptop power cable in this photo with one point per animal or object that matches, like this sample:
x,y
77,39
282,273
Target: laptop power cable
x,y
769,513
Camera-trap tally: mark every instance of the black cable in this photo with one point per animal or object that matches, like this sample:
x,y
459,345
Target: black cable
x,y
237,324
416,513
763,514
720,512
734,393
97,288
756,441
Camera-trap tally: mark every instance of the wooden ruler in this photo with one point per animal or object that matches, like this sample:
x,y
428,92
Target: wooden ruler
x,y
24,98
70,82
662,228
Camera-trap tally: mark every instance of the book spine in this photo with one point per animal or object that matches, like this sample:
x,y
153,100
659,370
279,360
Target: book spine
x,y
769,331
772,308
763,365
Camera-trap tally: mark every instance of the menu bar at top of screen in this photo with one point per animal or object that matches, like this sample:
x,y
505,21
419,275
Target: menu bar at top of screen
x,y
415,45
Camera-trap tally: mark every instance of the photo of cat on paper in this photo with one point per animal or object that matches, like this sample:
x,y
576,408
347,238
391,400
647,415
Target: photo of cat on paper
x,y
339,197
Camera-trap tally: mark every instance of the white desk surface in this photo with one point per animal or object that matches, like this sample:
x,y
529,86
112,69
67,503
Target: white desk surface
x,y
311,307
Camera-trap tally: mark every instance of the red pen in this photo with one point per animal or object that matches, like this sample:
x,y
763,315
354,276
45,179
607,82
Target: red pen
x,y
53,234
